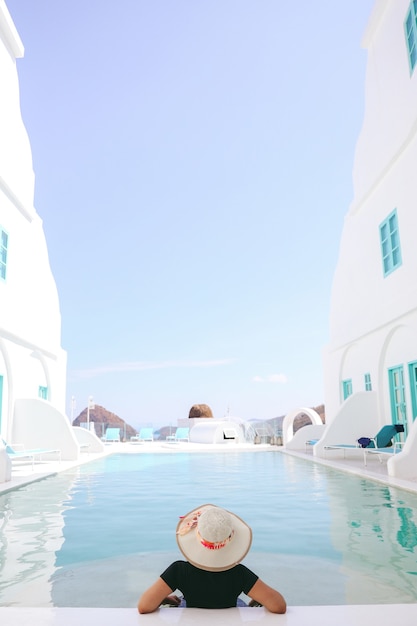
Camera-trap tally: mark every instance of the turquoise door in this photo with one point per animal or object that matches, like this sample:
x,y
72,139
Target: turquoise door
x,y
43,392
412,372
397,397
347,388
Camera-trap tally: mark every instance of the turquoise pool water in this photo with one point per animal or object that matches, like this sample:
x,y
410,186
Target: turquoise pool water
x,y
97,535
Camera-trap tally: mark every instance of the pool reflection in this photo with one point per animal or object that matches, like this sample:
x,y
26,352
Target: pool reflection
x,y
31,533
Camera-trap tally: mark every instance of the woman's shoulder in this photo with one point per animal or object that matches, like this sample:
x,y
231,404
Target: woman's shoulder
x,y
179,564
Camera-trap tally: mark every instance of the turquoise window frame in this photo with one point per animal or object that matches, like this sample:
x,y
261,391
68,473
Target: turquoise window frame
x,y
390,243
368,382
410,29
4,246
43,392
347,388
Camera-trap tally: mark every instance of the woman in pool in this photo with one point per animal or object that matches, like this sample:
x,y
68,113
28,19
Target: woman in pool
x,y
213,541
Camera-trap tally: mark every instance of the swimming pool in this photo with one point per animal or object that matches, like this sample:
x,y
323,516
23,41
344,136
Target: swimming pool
x,y
97,535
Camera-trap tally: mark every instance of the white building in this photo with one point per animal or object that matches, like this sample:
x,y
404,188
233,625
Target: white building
x,y
370,364
32,361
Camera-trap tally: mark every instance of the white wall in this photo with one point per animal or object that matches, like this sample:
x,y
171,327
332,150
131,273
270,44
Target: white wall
x,y
373,318
362,298
88,438
38,424
357,417
404,465
306,433
30,321
211,431
15,153
5,464
390,95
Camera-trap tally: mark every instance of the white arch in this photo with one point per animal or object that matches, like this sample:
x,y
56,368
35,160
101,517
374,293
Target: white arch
x,y
288,423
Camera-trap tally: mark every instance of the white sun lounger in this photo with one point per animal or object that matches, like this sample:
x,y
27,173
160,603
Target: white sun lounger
x,y
19,455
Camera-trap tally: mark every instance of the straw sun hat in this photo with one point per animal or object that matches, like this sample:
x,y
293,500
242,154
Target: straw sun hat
x,y
212,538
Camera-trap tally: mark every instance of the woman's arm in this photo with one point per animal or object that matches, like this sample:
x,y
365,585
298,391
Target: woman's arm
x,y
268,597
151,599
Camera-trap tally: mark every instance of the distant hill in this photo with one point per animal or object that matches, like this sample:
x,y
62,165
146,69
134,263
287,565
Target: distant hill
x,y
104,419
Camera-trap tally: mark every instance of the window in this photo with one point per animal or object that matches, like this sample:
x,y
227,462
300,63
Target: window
x,y
368,382
347,388
4,239
390,243
410,27
43,392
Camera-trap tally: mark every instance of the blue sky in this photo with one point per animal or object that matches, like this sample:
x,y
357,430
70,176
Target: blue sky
x,y
193,165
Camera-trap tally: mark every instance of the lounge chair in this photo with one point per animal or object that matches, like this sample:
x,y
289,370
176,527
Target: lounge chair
x,y
387,452
181,434
383,441
19,455
145,434
344,447
384,438
112,434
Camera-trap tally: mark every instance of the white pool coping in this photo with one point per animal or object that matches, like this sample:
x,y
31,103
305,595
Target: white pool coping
x,y
351,615
342,615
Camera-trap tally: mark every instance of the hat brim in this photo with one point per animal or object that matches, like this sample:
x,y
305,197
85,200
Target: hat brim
x,y
215,560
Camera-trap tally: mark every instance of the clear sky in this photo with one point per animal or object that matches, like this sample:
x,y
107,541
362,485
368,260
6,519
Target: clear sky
x,y
193,164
